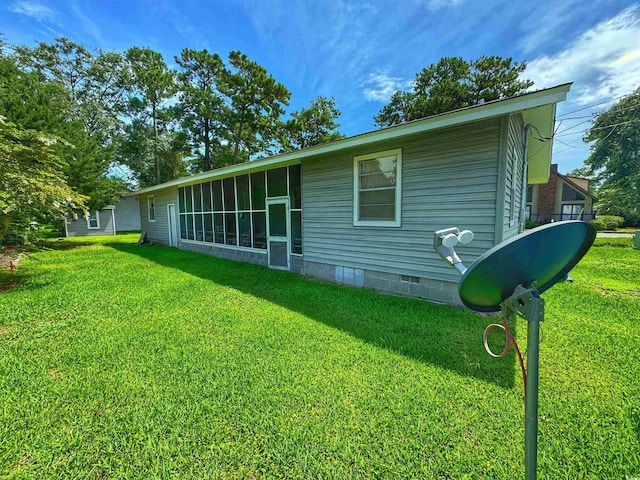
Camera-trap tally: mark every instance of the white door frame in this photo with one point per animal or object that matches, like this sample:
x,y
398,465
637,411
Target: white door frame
x,y
287,238
173,234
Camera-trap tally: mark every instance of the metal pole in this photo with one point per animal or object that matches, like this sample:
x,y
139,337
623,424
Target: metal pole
x,y
531,405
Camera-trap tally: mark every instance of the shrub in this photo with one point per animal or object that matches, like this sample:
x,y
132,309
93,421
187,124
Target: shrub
x,y
598,224
612,221
530,224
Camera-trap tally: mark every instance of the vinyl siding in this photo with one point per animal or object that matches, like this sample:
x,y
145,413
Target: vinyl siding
x,y
127,214
158,231
449,179
78,228
514,172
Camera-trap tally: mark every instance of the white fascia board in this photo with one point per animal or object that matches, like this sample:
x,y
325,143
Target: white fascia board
x,y
457,117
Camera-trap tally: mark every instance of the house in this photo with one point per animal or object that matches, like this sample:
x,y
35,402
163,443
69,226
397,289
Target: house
x,y
361,211
121,217
561,198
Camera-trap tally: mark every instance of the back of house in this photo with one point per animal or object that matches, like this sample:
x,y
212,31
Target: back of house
x,y
362,211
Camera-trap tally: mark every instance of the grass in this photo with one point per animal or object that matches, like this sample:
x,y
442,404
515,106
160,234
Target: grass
x,y
127,361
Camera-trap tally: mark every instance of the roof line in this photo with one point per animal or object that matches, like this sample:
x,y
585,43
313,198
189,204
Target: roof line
x,y
576,186
455,117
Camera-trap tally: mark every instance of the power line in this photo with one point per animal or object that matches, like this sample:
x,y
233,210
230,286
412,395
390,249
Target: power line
x,y
594,105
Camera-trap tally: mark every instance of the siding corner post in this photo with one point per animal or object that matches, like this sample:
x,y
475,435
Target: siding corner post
x,y
502,179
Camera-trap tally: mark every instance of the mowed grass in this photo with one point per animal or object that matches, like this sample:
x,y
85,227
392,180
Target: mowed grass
x,y
127,361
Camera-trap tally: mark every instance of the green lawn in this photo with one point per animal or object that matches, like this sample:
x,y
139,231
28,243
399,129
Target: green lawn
x,y
118,360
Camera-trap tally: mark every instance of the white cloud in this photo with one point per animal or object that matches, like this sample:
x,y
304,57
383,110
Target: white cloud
x,y
88,25
383,86
37,11
604,62
438,4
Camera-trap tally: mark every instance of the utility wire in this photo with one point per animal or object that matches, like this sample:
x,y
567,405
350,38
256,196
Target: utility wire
x,y
594,105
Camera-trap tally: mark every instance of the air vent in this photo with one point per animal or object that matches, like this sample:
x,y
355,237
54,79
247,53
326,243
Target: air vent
x,y
409,278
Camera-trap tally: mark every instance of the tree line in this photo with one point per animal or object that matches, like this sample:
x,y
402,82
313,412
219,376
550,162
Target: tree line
x,y
70,116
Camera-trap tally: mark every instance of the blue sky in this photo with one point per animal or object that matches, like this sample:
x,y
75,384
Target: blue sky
x,y
360,52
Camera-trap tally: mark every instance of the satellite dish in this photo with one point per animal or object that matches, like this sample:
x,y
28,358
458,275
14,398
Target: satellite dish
x,y
509,278
544,255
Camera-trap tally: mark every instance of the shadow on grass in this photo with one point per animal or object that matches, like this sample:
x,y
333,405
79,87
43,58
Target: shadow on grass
x,y
435,334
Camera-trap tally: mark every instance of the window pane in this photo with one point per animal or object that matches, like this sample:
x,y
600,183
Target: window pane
x,y
278,220
244,228
230,228
377,213
569,193
183,226
372,198
197,198
260,230
277,182
296,232
530,193
190,227
229,195
208,227
181,199
219,227
199,228
295,191
242,187
217,195
378,172
188,199
258,191
206,197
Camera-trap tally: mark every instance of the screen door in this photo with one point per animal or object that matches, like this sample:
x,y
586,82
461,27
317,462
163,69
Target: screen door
x,y
278,232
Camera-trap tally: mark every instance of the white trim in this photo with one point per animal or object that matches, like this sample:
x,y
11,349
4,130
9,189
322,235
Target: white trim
x,y
276,201
66,228
491,109
97,227
397,221
113,219
151,198
170,219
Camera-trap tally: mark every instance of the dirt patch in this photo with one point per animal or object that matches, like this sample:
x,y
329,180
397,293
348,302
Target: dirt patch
x,y
10,284
10,257
3,330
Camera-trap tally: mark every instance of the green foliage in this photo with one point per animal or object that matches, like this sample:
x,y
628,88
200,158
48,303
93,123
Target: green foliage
x,y
119,359
615,157
312,126
254,103
32,182
153,83
200,109
599,224
611,221
530,224
454,83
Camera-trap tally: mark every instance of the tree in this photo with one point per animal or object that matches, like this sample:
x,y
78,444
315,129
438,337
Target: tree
x,y
32,179
312,126
153,83
200,107
85,110
615,157
454,83
254,103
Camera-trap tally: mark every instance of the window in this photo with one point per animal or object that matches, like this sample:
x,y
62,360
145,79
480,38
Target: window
x,y
151,208
93,220
572,211
232,211
377,189
569,193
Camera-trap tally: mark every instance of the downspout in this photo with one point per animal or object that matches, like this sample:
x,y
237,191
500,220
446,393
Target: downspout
x,y
525,166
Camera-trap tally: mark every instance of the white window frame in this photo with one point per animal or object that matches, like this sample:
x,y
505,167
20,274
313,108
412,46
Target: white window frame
x,y
151,200
97,227
397,221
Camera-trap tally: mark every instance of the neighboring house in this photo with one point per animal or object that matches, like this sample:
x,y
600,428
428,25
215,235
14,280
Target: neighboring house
x,y
361,211
123,216
561,198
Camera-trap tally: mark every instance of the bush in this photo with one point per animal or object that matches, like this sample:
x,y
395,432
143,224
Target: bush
x,y
598,224
530,224
612,221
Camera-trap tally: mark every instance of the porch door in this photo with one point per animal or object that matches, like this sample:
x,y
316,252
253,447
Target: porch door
x,y
171,214
278,232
